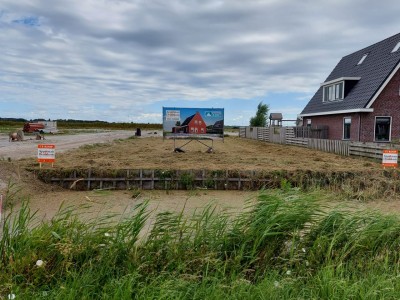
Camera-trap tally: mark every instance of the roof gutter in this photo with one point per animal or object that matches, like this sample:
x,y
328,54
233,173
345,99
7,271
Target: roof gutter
x,y
339,79
336,112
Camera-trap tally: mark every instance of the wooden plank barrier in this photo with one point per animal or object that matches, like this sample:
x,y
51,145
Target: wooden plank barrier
x,y
331,146
300,136
242,132
149,179
302,142
370,150
158,179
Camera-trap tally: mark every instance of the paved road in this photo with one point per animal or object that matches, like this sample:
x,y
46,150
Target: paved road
x,y
28,147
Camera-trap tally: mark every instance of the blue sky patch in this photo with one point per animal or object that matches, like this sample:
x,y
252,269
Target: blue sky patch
x,y
28,21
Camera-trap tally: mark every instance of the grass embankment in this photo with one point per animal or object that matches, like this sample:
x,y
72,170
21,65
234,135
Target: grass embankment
x,y
7,126
284,246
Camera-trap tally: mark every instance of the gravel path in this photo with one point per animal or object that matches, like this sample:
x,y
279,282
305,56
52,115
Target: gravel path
x,y
28,147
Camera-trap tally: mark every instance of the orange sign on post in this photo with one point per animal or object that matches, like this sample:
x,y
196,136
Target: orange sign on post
x,y
389,158
46,154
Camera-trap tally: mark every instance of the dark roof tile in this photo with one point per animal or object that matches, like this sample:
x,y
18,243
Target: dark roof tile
x,y
374,70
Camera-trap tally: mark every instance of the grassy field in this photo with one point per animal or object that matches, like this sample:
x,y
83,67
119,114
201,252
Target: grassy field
x,y
357,178
284,246
63,125
233,153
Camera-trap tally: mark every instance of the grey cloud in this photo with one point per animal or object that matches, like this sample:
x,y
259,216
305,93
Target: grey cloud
x,y
140,52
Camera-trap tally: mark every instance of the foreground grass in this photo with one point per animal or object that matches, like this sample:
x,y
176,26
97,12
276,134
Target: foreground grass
x,y
283,247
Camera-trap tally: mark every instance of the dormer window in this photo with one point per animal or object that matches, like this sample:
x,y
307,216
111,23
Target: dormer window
x,y
337,89
333,92
396,47
362,59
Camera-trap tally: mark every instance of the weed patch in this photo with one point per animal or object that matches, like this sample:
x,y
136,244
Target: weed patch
x,y
285,245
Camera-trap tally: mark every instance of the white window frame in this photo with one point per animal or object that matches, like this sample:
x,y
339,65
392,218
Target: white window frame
x,y
362,59
344,122
396,47
333,92
308,123
390,130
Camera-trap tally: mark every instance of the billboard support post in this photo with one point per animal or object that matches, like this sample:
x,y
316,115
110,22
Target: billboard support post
x,y
179,149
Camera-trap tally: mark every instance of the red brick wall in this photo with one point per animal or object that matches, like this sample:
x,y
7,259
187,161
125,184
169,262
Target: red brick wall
x,y
387,104
335,124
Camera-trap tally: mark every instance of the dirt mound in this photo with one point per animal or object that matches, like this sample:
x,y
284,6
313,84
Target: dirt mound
x,y
14,177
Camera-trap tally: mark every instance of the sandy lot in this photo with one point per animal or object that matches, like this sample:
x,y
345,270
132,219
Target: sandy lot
x,y
153,152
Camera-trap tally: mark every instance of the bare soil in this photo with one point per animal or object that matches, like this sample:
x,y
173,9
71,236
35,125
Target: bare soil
x,y
99,150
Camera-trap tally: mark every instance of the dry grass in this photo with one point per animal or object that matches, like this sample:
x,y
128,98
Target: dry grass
x,y
232,154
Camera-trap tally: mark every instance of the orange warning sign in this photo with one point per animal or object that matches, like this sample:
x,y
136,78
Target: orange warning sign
x,y
46,153
389,158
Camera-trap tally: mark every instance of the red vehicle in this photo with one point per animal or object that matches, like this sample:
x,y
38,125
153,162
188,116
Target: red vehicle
x,y
33,127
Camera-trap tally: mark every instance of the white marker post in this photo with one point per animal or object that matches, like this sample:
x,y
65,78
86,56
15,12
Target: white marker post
x,y
1,205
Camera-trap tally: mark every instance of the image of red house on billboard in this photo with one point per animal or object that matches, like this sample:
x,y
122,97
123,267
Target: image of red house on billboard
x,y
192,124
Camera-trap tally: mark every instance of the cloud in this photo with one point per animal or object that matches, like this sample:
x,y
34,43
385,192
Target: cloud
x,y
70,57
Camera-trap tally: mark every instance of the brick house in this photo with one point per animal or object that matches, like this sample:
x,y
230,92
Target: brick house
x,y
360,99
193,124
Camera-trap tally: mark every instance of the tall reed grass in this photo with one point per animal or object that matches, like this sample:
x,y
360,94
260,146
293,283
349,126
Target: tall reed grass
x,y
283,246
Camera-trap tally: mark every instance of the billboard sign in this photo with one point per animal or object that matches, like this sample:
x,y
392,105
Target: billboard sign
x,y
193,122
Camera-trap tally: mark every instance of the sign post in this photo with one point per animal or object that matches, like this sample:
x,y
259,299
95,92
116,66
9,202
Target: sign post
x,y
1,206
389,158
46,154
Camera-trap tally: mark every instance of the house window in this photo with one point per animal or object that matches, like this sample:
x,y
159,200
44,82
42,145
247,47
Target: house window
x,y
195,122
346,128
202,129
200,122
308,122
382,129
333,92
362,59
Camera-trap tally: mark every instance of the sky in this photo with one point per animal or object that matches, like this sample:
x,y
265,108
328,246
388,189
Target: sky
x,y
123,60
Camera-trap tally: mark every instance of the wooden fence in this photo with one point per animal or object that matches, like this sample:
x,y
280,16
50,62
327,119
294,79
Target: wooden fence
x,y
315,132
300,136
331,146
371,150
150,179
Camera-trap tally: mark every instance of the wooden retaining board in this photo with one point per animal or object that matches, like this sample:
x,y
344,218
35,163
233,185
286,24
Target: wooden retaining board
x,y
177,179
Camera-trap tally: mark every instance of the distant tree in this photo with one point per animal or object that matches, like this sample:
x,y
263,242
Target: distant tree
x,y
260,119
178,123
